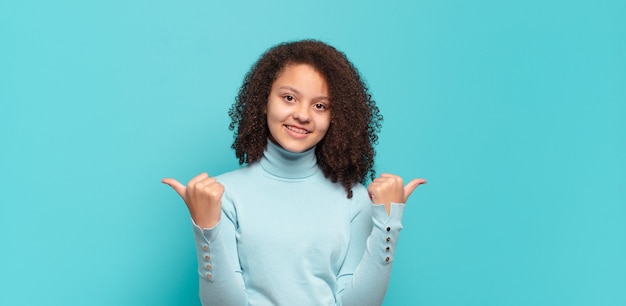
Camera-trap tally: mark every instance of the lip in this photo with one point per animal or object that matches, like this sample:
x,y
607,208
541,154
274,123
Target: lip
x,y
296,134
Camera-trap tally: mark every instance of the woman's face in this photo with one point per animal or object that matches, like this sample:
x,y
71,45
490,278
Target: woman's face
x,y
298,108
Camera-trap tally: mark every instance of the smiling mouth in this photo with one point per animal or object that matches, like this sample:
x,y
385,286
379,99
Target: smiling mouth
x,y
297,130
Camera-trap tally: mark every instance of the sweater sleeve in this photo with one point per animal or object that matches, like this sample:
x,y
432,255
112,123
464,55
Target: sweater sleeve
x,y
365,273
221,280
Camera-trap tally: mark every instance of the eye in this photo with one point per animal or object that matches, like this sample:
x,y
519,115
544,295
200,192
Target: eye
x,y
289,98
320,106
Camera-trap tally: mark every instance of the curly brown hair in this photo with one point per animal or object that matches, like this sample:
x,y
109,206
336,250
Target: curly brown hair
x,y
346,153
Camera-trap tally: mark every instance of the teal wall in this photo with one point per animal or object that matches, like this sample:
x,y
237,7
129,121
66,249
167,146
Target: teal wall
x,y
515,112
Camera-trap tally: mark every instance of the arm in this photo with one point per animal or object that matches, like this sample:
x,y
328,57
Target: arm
x,y
365,274
375,228
214,222
221,281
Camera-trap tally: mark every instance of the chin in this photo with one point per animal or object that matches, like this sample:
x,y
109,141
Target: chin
x,y
295,149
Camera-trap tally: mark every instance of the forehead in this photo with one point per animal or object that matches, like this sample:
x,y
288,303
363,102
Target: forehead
x,y
291,66
302,76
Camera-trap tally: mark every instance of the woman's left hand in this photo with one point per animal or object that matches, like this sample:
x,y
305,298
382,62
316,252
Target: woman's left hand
x,y
389,188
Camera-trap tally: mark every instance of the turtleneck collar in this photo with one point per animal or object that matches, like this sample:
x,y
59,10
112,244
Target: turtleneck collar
x,y
284,164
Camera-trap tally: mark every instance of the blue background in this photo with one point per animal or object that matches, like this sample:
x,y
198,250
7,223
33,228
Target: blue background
x,y
515,112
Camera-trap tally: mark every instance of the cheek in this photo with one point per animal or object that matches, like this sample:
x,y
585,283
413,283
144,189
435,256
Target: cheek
x,y
324,123
275,112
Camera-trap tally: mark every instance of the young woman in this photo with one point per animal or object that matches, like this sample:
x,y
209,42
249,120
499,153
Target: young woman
x,y
296,226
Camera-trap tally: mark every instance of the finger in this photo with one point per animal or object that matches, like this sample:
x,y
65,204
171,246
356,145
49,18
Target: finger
x,y
371,195
215,190
197,178
206,181
387,175
176,185
410,187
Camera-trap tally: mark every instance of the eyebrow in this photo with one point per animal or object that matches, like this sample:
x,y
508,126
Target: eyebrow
x,y
298,93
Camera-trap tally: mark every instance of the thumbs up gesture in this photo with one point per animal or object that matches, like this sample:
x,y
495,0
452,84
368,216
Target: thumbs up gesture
x,y
203,197
389,188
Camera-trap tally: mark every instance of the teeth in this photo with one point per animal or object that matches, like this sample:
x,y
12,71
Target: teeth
x,y
297,130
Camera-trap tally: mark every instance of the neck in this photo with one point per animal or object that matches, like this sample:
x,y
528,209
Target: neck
x,y
285,164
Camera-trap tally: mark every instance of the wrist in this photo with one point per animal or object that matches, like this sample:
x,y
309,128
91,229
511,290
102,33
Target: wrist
x,y
205,222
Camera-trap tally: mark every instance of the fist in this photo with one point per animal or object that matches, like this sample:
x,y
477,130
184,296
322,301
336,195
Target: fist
x,y
389,188
203,197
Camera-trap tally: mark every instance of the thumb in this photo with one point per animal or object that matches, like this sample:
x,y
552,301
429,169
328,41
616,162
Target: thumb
x,y
410,187
176,185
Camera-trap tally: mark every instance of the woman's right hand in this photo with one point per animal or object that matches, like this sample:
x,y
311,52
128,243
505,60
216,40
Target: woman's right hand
x,y
203,197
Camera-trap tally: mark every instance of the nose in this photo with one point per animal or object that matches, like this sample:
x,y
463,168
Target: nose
x,y
301,112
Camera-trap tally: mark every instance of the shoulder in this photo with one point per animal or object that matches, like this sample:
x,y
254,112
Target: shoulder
x,y
239,182
360,190
236,175
361,202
